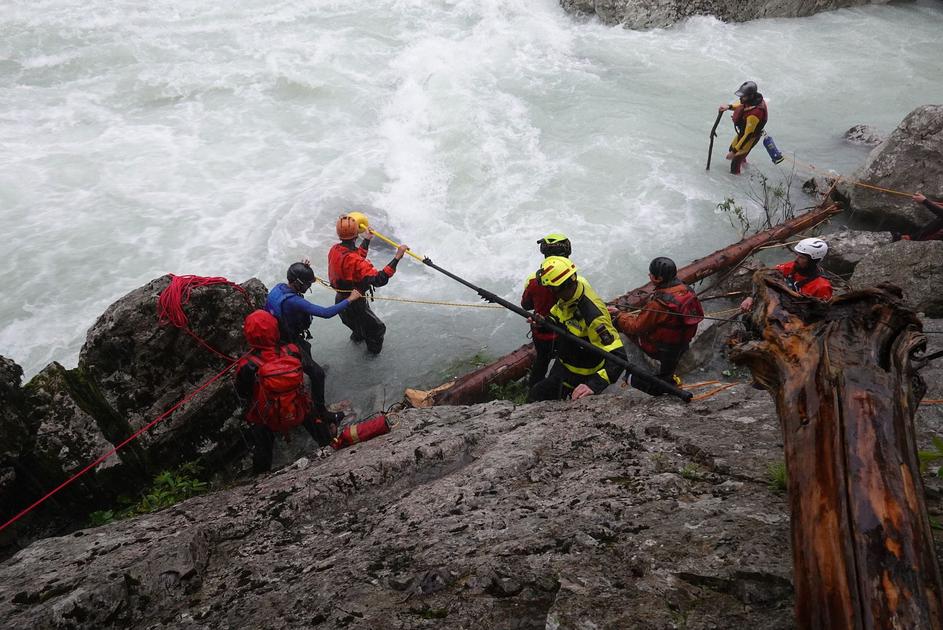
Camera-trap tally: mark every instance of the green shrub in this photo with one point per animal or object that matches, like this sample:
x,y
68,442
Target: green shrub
x,y
515,391
777,477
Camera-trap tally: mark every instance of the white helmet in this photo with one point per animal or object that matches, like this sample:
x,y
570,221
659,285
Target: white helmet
x,y
814,248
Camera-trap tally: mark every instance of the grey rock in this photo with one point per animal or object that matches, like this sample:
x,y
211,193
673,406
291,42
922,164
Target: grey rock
x,y
910,160
576,512
131,370
915,267
848,247
643,14
16,432
864,134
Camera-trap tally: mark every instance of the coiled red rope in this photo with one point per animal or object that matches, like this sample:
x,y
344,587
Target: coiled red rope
x,y
172,299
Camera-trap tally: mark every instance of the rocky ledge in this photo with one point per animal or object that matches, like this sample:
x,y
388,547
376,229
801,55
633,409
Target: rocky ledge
x,y
643,14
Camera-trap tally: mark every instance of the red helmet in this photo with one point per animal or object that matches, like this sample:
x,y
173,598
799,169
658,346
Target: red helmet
x,y
347,227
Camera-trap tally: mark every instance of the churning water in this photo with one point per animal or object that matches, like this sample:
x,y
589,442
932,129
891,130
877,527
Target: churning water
x,y
225,138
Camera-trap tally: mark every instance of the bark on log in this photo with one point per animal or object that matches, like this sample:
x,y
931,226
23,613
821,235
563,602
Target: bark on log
x,y
846,394
473,387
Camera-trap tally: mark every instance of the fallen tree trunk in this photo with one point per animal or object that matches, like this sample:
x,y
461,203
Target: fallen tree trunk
x,y
846,394
473,387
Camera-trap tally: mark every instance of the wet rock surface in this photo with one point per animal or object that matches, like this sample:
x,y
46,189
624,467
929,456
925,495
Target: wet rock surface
x,y
618,511
864,134
643,14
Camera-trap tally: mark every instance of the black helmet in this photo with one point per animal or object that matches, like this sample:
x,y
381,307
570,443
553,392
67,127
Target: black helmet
x,y
747,90
663,268
301,272
555,245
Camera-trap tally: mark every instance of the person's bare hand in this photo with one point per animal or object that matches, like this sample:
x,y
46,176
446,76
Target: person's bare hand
x,y
723,107
729,155
306,261
919,197
368,234
581,391
746,305
354,296
402,249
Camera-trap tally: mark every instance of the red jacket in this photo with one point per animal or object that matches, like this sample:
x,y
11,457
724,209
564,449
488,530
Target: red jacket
x,y
818,287
348,268
660,324
539,299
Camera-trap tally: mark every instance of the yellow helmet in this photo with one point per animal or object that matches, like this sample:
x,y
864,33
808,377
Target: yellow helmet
x,y
555,270
362,222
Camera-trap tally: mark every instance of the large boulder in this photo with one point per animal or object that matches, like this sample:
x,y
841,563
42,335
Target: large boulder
x,y
131,371
142,368
848,247
910,160
641,14
915,267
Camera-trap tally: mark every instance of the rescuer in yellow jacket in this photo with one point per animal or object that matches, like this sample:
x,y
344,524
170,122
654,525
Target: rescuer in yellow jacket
x,y
749,119
577,371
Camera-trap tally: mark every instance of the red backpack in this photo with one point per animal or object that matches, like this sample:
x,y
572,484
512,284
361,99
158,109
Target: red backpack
x,y
681,328
280,400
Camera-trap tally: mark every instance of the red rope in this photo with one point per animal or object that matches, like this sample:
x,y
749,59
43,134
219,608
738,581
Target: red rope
x,y
172,299
115,449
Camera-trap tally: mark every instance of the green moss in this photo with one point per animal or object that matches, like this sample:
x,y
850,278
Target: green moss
x,y
515,391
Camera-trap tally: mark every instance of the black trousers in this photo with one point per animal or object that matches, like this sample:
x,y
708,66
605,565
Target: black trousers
x,y
668,358
538,370
263,442
363,323
559,384
315,372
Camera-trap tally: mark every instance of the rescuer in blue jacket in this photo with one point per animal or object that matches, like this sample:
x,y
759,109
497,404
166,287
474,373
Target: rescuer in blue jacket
x,y
295,314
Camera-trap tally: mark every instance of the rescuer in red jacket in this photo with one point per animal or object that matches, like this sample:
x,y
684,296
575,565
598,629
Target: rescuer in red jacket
x,y
667,323
541,299
804,274
349,269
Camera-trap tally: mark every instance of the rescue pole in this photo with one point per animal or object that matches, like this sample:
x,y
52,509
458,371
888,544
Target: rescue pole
x,y
488,296
636,373
713,135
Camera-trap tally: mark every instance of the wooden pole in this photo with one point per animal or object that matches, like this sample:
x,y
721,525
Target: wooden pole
x,y
846,395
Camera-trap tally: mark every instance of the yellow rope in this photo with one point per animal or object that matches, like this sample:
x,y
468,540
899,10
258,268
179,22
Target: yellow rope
x,y
412,301
853,182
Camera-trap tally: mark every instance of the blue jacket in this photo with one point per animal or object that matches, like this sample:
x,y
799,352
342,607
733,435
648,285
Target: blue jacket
x,y
294,313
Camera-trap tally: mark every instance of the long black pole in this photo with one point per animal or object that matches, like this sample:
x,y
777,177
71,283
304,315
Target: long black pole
x,y
710,150
647,379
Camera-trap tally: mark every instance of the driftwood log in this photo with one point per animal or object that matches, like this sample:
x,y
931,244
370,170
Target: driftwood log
x,y
473,387
846,393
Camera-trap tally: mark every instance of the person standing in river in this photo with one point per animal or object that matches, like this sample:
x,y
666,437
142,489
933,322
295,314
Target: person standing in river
x,y
749,118
349,270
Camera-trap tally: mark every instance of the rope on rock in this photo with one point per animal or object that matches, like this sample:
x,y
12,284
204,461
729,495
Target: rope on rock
x,y
853,182
133,436
715,391
171,301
